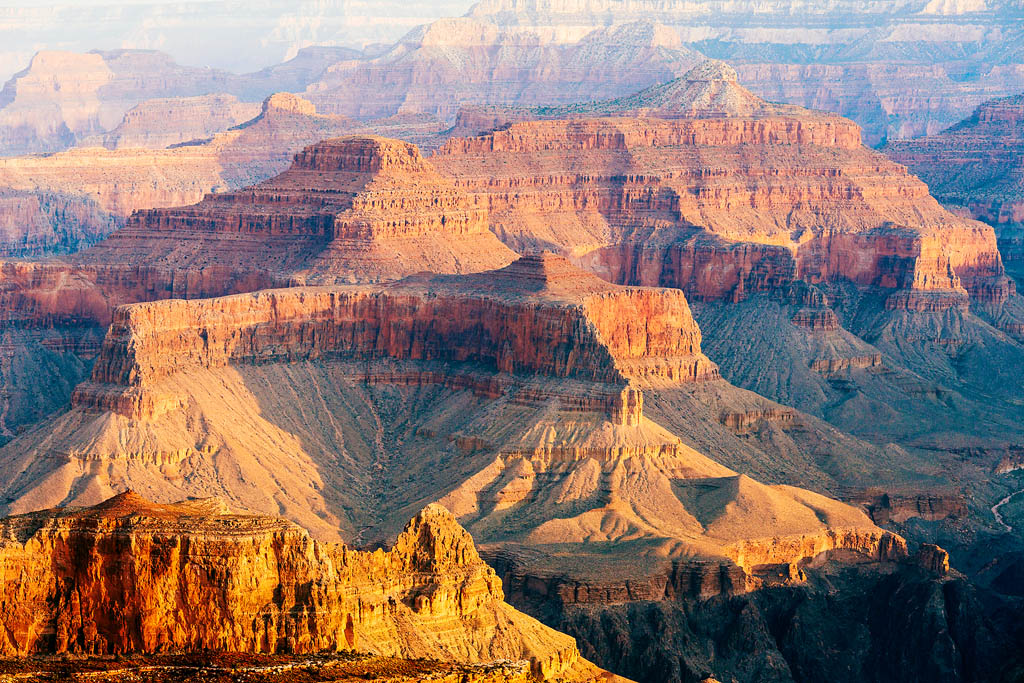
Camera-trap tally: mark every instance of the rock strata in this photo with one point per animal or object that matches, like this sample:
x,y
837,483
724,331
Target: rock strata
x,y
539,315
129,576
709,189
355,208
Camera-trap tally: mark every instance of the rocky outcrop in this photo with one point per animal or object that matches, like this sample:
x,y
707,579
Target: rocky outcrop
x,y
907,621
37,223
64,98
900,70
352,209
975,166
885,507
348,209
131,576
119,181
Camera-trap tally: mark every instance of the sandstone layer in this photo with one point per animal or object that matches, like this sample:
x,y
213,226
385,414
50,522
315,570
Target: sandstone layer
x,y
351,209
356,209
129,576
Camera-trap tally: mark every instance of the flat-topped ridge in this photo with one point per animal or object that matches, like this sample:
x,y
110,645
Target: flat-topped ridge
x,y
536,274
540,319
361,154
142,582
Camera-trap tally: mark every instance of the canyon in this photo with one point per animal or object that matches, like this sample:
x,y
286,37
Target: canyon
x,y
516,399
899,69
62,99
770,218
96,189
641,348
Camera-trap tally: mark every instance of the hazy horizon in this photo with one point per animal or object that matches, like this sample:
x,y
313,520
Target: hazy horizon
x,y
233,35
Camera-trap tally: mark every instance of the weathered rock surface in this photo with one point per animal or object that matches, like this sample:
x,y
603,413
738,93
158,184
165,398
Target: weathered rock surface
x,y
161,123
37,223
121,181
131,576
439,67
63,98
536,374
352,209
898,69
847,622
710,189
975,166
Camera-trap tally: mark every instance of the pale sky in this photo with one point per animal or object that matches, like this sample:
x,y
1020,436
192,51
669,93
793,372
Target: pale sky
x,y
237,35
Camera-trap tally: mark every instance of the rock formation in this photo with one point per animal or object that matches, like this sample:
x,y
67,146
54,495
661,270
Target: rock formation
x,y
44,222
975,166
544,370
439,67
63,98
123,180
355,209
352,209
666,197
517,399
899,69
162,123
129,576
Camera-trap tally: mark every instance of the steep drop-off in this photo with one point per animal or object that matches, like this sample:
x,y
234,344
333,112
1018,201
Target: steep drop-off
x,y
349,209
522,392
976,167
517,399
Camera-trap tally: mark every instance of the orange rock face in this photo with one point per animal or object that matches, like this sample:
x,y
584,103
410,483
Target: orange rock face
x,y
355,209
131,576
350,209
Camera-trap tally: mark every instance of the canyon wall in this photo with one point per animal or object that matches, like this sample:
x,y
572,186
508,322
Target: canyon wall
x,y
357,208
162,123
538,316
975,167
